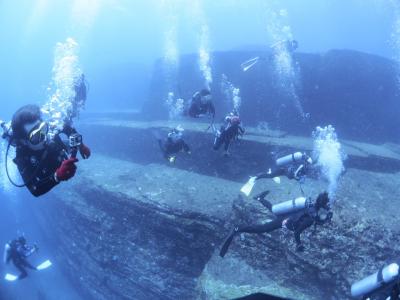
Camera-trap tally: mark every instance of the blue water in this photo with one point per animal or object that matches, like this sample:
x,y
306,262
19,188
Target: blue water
x,y
117,45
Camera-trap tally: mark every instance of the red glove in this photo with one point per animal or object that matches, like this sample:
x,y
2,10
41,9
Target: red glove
x,y
84,151
66,170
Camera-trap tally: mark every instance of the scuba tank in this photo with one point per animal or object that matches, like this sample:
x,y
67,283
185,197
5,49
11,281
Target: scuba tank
x,y
6,253
291,158
291,206
373,283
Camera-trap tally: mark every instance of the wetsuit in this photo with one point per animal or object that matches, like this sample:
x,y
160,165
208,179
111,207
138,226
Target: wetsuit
x,y
173,145
18,254
296,222
226,135
199,107
37,168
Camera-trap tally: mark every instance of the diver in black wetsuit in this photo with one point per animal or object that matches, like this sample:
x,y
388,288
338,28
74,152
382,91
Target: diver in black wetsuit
x,y
294,166
18,252
173,144
201,104
42,158
290,217
228,133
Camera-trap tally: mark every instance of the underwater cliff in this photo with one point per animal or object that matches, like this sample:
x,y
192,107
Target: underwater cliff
x,y
356,91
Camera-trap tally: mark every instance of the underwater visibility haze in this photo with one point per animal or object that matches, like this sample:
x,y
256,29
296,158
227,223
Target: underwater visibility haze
x,y
199,149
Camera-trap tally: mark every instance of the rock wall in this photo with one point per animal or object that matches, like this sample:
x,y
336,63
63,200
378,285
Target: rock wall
x,y
356,92
131,226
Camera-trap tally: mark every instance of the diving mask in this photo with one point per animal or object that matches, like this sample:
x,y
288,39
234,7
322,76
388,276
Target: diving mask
x,y
37,133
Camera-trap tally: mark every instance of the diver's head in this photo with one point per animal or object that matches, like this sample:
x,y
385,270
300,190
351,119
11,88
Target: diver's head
x,y
177,132
28,127
205,95
322,201
22,240
205,92
235,120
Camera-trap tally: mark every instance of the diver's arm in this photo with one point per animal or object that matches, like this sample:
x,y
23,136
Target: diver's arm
x,y
241,130
299,172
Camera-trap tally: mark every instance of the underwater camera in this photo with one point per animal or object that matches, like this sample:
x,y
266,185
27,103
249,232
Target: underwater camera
x,y
75,140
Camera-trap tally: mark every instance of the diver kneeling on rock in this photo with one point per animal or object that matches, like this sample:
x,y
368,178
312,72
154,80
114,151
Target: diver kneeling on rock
x,y
295,215
41,153
17,251
294,166
201,104
228,132
173,144
384,284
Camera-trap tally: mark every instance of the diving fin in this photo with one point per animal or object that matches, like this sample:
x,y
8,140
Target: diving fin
x,y
277,180
44,265
248,187
10,277
249,63
227,243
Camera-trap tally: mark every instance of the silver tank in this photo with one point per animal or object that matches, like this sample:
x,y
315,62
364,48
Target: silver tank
x,y
288,159
374,282
290,206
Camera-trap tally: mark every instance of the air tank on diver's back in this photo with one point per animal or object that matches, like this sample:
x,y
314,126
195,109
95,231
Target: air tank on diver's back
x,y
291,206
380,282
291,158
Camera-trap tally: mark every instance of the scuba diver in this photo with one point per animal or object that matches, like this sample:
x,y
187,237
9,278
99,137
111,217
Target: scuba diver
x,y
173,144
295,215
80,87
294,166
384,284
228,132
201,105
18,251
41,153
289,46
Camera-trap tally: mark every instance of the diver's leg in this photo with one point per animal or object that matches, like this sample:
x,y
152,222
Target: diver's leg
x,y
264,228
21,269
226,146
28,265
271,173
228,242
267,227
217,143
261,197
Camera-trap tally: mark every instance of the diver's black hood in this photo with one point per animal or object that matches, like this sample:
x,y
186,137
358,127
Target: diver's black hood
x,y
25,115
